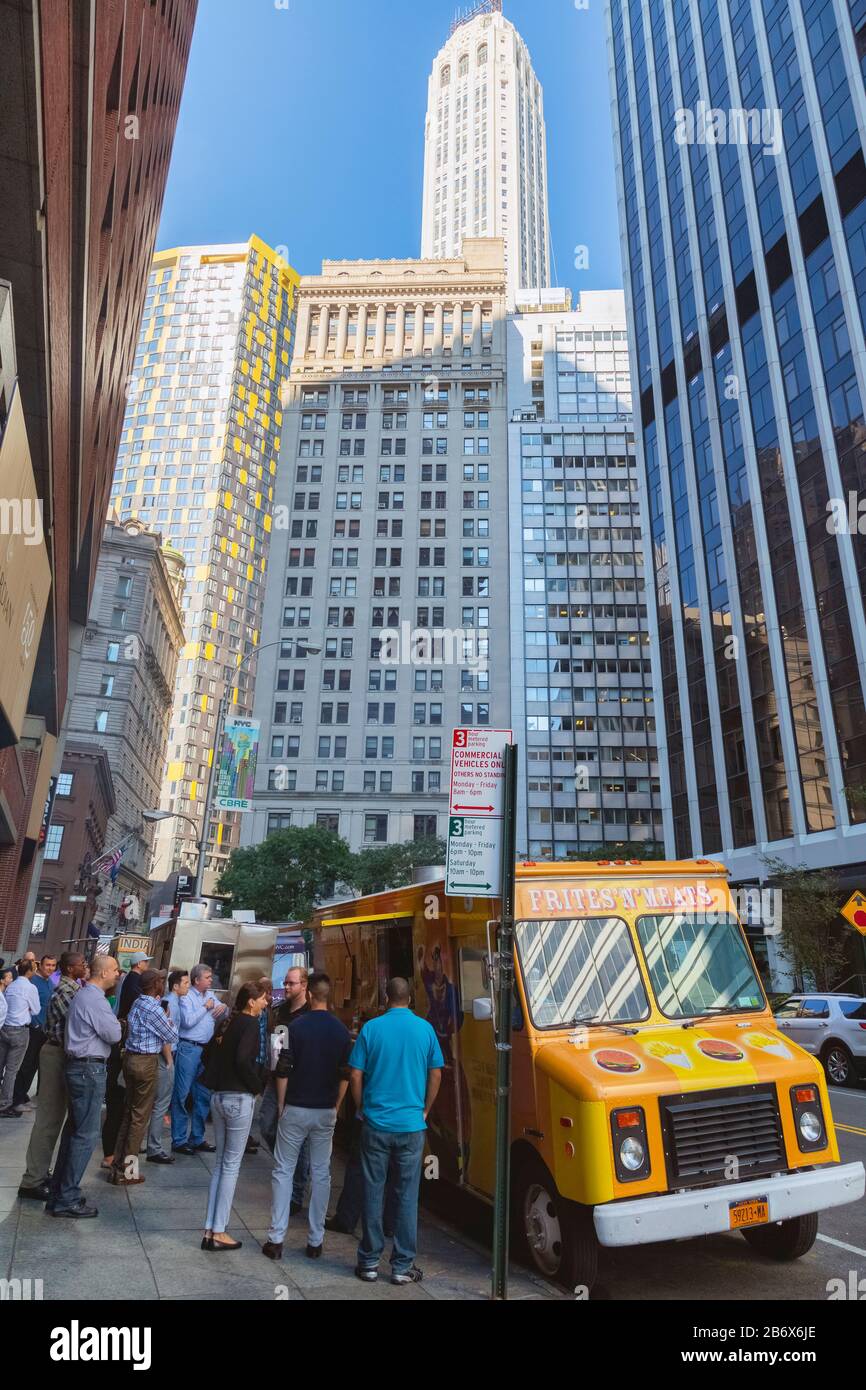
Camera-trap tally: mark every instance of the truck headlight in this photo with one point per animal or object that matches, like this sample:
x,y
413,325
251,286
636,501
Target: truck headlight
x,y
632,1153
808,1118
630,1145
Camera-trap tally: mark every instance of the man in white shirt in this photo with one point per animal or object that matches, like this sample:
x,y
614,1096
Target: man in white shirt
x,y
22,1005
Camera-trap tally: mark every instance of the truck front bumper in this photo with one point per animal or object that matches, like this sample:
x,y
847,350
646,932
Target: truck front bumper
x,y
679,1215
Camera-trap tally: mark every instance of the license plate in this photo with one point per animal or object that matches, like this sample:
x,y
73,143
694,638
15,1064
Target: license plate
x,y
754,1211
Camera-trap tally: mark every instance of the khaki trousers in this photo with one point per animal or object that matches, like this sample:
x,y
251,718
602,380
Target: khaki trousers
x,y
141,1074
51,1103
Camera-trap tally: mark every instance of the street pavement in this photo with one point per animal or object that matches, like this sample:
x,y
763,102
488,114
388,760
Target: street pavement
x,y
145,1244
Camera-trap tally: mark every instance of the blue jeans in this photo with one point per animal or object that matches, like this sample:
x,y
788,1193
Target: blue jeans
x,y
85,1090
187,1069
300,1127
351,1201
268,1131
232,1117
404,1153
164,1089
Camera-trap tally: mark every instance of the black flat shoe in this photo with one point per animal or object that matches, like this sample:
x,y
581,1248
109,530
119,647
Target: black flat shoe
x,y
273,1250
314,1251
183,1149
159,1158
222,1245
203,1148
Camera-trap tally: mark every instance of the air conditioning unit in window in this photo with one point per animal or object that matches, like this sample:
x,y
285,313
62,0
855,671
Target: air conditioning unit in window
x,y
296,719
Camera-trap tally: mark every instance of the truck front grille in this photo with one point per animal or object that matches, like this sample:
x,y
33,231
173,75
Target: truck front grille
x,y
704,1131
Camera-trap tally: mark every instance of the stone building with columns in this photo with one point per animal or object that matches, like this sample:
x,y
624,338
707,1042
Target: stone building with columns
x,y
386,608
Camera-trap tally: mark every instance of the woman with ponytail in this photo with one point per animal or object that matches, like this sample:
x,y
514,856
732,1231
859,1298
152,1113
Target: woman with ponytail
x,y
234,1078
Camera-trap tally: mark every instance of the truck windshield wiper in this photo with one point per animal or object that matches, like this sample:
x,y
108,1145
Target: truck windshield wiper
x,y
713,1012
593,1022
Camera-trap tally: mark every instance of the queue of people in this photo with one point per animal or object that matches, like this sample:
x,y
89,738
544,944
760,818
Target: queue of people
x,y
181,1052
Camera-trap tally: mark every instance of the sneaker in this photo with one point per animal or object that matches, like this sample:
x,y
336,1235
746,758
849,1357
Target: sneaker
x,y
408,1276
368,1276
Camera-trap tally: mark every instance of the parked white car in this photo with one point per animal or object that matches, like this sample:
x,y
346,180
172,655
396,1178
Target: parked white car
x,y
830,1026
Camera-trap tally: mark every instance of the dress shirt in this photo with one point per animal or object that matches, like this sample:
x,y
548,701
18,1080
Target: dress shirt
x,y
58,1008
44,988
4,1007
196,1020
91,1026
148,1028
22,1002
174,1014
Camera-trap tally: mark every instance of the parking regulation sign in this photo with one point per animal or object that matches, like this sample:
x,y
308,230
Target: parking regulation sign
x,y
475,812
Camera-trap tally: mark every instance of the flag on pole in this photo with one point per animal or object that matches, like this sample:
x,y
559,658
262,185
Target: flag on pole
x,y
107,865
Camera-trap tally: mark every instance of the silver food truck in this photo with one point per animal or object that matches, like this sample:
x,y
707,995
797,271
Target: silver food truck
x,y
236,948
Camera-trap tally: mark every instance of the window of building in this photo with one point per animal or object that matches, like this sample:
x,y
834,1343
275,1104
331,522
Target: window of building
x,y
53,842
375,829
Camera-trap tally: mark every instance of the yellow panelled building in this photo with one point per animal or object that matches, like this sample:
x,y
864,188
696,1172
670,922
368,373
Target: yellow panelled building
x,y
197,461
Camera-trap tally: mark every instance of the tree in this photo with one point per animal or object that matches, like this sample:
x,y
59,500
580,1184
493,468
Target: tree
x,y
284,877
390,866
810,941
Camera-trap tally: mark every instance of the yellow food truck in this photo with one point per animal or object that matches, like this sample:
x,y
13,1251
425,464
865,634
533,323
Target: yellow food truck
x,y
653,1096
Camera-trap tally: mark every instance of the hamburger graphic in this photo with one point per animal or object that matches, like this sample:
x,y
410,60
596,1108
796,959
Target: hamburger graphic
x,y
668,1053
719,1050
612,1059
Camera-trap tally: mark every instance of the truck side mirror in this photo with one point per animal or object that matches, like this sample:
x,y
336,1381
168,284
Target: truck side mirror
x,y
482,1010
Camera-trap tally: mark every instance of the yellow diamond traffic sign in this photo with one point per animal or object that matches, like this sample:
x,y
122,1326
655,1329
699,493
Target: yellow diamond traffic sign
x,y
854,912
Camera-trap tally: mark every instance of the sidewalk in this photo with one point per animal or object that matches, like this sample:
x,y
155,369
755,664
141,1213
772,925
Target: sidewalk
x,y
145,1242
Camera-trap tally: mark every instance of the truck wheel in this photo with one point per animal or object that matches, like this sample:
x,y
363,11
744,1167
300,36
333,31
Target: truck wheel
x,y
557,1235
784,1240
838,1064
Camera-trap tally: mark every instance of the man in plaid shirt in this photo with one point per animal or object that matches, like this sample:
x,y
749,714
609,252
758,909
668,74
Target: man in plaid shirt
x,y
51,1098
149,1033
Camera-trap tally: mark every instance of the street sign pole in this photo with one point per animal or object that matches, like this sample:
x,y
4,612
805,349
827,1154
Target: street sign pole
x,y
504,995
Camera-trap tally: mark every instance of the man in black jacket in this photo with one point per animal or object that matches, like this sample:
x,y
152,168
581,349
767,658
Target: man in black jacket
x,y
311,1080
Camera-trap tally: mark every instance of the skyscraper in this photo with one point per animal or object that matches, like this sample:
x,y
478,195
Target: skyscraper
x,y
581,688
90,100
740,130
485,148
197,462
385,616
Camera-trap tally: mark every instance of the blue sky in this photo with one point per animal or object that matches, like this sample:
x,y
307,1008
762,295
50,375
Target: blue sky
x,y
305,125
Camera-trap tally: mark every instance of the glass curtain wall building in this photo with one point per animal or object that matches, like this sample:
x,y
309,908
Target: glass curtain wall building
x,y
582,691
197,462
740,130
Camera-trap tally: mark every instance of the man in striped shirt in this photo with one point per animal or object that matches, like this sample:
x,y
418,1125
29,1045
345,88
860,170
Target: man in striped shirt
x,y
149,1033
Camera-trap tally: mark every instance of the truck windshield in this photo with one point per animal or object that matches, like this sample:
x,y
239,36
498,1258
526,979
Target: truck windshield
x,y
698,964
580,969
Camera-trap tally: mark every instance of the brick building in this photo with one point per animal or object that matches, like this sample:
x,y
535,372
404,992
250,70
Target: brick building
x,y
83,806
90,100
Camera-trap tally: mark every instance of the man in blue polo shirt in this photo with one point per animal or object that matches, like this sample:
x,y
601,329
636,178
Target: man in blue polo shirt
x,y
395,1073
